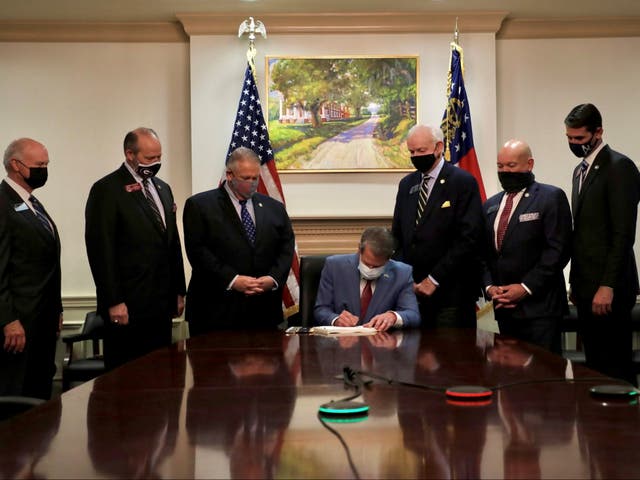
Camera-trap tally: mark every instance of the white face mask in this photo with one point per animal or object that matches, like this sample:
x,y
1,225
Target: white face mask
x,y
369,273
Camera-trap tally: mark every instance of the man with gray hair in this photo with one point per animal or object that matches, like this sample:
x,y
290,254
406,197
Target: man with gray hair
x,y
367,288
30,300
240,244
438,224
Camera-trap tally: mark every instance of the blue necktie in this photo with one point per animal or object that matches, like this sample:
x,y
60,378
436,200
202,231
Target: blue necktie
x,y
41,214
247,222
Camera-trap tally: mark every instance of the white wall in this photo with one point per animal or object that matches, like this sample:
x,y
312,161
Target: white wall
x,y
540,81
80,100
217,70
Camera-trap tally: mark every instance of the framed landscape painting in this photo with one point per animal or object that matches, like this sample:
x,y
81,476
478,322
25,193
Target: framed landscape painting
x,y
341,114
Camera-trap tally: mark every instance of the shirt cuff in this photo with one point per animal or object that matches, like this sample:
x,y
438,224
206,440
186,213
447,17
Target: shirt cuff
x,y
230,286
433,280
399,321
526,288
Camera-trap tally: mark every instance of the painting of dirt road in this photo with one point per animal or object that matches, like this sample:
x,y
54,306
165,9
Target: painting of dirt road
x,y
341,114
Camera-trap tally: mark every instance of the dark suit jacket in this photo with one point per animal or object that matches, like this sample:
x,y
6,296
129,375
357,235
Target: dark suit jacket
x,y
218,250
132,259
448,241
339,290
535,249
29,292
29,264
604,218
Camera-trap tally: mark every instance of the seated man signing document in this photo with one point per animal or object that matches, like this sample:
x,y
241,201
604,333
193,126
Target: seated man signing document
x,y
367,288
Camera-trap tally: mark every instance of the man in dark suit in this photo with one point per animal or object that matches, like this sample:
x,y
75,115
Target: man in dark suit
x,y
240,244
367,280
30,301
604,277
528,228
437,223
134,252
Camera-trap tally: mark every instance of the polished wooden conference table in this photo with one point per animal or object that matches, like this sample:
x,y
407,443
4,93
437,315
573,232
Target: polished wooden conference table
x,y
244,405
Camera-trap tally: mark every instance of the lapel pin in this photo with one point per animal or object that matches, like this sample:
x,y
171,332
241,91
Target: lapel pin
x,y
442,181
526,194
596,167
259,204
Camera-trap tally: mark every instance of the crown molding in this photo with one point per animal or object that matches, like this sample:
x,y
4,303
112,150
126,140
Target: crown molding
x,y
336,23
576,27
47,31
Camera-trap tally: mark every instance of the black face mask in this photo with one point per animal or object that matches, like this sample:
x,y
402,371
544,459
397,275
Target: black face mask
x,y
37,176
581,150
515,181
423,163
148,171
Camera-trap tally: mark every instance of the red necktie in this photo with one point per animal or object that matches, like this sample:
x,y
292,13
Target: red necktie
x,y
365,298
504,219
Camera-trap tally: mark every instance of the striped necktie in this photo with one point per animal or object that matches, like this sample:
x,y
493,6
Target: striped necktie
x,y
41,214
422,197
152,202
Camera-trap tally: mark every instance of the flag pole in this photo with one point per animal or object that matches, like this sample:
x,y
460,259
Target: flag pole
x,y
252,27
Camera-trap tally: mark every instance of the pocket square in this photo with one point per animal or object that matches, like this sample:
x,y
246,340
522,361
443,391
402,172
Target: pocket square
x,y
446,204
528,217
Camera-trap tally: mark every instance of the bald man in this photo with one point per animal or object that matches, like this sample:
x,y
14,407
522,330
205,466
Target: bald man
x,y
30,301
528,229
134,252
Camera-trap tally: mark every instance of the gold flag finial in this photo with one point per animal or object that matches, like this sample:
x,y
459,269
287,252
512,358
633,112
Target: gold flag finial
x,y
252,26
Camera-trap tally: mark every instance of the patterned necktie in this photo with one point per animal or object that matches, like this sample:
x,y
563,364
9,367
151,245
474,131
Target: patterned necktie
x,y
247,222
365,299
584,166
41,214
504,219
152,202
422,197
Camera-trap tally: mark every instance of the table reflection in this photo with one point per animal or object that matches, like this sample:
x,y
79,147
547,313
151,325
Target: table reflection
x,y
28,447
242,405
132,428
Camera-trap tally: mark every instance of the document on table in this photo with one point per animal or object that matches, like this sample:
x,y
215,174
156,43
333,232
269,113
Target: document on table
x,y
333,330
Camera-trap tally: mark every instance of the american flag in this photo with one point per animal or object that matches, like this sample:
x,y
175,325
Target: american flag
x,y
456,122
250,130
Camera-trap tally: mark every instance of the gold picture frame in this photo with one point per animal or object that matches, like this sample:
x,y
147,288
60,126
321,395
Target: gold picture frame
x,y
341,113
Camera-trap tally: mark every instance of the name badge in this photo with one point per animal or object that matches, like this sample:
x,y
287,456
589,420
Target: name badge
x,y
20,207
414,189
528,217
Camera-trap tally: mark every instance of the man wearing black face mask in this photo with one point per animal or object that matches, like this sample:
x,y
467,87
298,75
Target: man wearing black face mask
x,y
134,252
528,228
240,245
30,301
604,276
437,223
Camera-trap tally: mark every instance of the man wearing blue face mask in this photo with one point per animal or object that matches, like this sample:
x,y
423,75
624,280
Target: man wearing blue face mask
x,y
604,276
134,252
240,245
367,288
438,226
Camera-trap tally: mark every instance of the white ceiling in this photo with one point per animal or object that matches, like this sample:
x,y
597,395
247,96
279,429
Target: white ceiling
x,y
165,10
